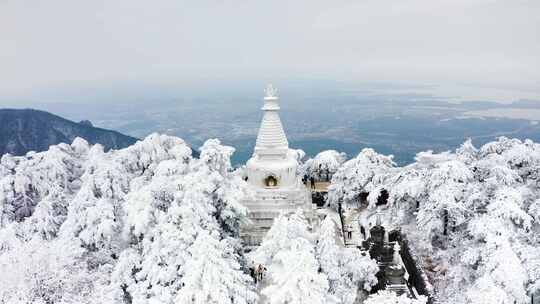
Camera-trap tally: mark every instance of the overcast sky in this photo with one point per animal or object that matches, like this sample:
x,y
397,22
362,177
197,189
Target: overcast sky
x,y
480,49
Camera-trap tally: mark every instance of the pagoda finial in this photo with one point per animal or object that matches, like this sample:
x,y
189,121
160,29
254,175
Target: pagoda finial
x,y
270,91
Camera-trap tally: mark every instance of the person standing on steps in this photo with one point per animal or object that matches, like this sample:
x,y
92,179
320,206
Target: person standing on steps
x,y
252,271
260,271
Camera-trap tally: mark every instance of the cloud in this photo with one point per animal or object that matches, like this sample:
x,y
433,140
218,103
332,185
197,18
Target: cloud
x,y
67,44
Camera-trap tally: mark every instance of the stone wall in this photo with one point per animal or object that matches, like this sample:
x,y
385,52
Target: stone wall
x,y
417,276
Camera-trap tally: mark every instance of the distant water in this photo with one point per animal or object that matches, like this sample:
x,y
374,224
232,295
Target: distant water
x,y
244,150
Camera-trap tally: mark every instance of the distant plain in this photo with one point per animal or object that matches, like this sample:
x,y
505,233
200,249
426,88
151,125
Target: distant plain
x,y
316,115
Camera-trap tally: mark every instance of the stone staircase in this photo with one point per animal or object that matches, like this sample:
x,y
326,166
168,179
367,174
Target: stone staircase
x,y
357,237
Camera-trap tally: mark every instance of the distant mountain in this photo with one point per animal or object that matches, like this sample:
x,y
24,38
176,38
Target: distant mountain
x,y
23,130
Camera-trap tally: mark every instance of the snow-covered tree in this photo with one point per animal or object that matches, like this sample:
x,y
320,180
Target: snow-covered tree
x,y
26,180
288,252
213,274
348,270
164,217
324,165
40,271
362,174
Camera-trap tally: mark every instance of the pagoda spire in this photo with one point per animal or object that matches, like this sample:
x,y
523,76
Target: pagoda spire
x,y
271,140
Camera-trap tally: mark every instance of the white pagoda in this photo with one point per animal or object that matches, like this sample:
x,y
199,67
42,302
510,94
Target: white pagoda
x,y
272,173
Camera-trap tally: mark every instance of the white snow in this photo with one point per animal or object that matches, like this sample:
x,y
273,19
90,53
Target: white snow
x,y
80,225
151,224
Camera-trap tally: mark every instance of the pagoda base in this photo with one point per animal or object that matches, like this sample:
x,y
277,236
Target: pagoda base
x,y
270,204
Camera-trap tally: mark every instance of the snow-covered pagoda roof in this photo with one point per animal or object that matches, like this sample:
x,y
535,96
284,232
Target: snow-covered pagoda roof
x,y
271,134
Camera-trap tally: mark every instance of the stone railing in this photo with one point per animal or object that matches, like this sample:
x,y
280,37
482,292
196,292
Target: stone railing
x,y
417,277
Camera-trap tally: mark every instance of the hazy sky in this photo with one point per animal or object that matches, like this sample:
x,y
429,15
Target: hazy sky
x,y
480,49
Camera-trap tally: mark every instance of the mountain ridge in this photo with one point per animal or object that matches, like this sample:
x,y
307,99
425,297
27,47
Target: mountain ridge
x,y
24,130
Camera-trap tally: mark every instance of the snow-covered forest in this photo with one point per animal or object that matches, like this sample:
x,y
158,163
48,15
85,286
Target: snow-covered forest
x,y
474,215
83,226
152,224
